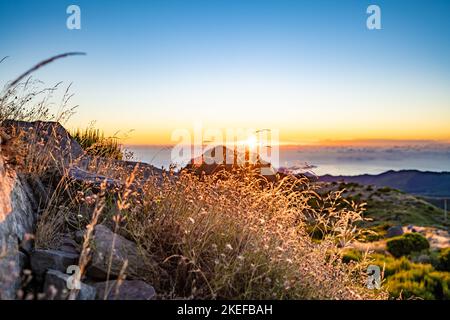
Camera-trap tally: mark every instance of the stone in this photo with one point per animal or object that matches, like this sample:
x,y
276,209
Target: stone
x,y
93,179
69,245
394,231
57,140
17,219
67,241
126,290
79,236
43,260
123,250
68,249
55,287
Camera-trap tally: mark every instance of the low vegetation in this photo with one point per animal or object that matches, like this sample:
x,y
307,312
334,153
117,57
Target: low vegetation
x,y
406,244
94,142
406,279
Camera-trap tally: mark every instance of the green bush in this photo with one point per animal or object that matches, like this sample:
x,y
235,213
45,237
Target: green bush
x,y
407,243
444,260
420,282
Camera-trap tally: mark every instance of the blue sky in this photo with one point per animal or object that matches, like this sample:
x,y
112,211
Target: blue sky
x,y
309,68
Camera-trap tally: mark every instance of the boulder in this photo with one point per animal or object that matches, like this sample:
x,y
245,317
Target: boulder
x,y
17,219
108,245
56,287
43,260
52,135
394,231
125,290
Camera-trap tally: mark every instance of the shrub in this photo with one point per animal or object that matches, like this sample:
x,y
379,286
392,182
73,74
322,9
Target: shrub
x,y
407,243
385,190
444,260
392,265
420,282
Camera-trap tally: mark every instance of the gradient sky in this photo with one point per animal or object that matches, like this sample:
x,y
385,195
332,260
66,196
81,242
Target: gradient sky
x,y
309,68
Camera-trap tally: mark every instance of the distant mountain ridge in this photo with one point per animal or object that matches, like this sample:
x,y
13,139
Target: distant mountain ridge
x,y
424,183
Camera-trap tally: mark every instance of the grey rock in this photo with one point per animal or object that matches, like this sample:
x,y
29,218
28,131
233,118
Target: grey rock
x,y
43,260
56,287
123,250
79,236
23,260
68,249
126,290
394,231
69,245
93,179
67,241
53,135
17,220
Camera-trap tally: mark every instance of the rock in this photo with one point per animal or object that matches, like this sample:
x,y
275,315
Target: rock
x,y
23,260
68,245
119,168
17,219
67,241
95,180
55,287
394,231
53,135
127,290
43,260
68,249
123,250
79,236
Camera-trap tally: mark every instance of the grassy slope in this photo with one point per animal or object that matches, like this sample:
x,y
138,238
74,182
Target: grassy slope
x,y
390,206
432,184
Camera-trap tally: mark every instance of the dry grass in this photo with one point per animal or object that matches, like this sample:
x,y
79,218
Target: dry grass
x,y
226,236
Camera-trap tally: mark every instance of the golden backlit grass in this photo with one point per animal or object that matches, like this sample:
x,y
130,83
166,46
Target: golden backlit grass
x,y
227,236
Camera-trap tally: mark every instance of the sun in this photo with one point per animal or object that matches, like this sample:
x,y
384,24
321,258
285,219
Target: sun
x,y
251,142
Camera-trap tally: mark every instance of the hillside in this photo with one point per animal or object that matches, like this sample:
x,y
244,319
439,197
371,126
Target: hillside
x,y
388,206
429,184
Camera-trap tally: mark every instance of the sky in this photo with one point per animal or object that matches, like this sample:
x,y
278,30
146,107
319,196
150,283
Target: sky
x,y
311,69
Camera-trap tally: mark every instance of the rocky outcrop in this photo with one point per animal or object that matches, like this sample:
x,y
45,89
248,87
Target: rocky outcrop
x,y
17,220
20,199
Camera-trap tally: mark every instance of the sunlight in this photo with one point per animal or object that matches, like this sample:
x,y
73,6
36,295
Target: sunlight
x,y
252,142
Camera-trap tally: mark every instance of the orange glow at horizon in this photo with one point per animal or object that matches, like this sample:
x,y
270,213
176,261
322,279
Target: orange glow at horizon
x,y
291,130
